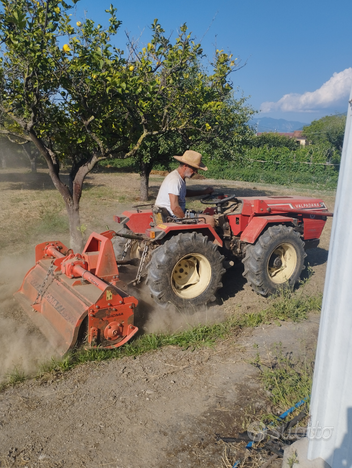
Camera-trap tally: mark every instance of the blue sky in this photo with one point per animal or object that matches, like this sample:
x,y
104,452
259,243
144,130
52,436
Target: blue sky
x,y
300,50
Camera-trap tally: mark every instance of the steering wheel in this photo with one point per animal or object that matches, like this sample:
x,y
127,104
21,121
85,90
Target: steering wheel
x,y
213,198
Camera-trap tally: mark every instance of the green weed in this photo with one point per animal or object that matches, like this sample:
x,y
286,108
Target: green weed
x,y
287,380
293,460
99,191
15,377
285,307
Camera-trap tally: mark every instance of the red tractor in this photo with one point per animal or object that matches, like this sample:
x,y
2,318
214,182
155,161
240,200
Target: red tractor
x,y
71,295
184,259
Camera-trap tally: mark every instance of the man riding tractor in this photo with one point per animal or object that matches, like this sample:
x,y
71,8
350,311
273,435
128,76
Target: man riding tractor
x,y
171,199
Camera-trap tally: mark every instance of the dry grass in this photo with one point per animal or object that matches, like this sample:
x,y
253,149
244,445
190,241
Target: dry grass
x,y
245,458
32,211
28,213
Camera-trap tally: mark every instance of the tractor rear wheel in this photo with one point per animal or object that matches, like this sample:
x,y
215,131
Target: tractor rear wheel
x,y
185,271
275,261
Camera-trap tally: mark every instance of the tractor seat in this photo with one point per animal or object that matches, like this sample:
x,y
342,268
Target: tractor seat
x,y
160,214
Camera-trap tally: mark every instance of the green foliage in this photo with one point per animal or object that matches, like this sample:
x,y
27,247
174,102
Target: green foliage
x,y
273,140
311,159
51,95
273,158
233,135
157,151
192,108
280,165
328,131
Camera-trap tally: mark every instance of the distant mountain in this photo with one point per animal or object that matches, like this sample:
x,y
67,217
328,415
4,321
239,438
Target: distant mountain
x,y
267,124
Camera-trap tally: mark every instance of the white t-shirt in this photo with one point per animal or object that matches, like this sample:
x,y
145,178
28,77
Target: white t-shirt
x,y
174,184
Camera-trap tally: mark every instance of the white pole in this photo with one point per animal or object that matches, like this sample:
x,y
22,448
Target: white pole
x,y
330,429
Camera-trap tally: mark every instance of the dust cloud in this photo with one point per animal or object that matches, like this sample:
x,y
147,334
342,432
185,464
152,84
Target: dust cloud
x,y
23,348
157,319
171,320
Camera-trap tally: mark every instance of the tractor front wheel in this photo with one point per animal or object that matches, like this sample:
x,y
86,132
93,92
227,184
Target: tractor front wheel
x,y
185,271
275,261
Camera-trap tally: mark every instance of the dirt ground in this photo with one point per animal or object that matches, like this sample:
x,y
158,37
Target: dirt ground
x,y
161,409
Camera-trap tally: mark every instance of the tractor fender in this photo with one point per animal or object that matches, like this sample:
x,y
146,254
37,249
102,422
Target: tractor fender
x,y
137,221
172,229
257,225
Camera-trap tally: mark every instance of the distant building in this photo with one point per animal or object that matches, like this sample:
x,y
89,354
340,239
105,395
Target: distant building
x,y
296,135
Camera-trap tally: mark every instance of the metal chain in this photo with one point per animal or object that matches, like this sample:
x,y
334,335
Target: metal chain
x,y
137,279
125,250
45,284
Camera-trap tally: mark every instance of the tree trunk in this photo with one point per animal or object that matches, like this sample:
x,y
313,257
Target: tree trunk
x,y
33,165
71,200
76,235
144,184
3,162
77,175
71,194
32,158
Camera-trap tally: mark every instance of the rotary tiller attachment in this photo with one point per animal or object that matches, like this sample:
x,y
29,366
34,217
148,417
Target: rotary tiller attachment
x,y
66,294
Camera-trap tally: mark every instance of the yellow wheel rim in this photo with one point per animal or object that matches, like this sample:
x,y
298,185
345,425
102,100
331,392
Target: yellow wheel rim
x,y
191,276
282,263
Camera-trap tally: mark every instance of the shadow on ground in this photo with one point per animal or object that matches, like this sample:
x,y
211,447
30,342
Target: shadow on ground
x,y
36,181
316,256
233,282
28,181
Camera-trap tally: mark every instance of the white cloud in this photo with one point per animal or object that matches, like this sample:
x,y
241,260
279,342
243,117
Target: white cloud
x,y
330,94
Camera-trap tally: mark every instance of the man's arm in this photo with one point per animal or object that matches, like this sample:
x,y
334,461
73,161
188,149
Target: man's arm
x,y
177,210
197,193
175,207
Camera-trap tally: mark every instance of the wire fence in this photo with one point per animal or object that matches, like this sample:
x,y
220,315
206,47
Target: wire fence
x,y
295,162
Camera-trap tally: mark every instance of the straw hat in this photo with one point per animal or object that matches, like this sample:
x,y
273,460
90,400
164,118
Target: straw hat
x,y
192,158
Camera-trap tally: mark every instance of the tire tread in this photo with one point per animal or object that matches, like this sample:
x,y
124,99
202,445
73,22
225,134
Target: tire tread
x,y
165,257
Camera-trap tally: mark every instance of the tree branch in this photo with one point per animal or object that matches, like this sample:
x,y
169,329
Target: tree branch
x,y
10,134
